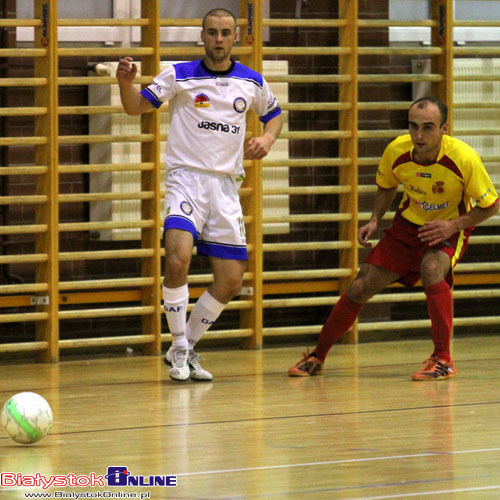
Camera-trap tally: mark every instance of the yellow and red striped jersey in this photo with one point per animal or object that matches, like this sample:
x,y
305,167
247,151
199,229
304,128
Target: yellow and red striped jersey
x,y
444,190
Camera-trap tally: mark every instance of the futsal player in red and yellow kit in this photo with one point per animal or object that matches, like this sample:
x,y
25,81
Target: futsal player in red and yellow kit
x,y
446,192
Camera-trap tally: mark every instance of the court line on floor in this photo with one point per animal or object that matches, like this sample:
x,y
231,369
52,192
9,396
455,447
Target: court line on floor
x,y
332,462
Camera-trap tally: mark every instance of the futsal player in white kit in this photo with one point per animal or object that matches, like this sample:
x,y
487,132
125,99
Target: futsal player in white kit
x,y
208,100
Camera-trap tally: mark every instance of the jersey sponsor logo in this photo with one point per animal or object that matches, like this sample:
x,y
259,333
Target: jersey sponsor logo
x,y
220,127
424,174
431,207
186,208
201,101
218,83
416,189
438,187
239,105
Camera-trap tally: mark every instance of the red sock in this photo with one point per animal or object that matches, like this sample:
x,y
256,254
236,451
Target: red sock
x,y
440,307
340,320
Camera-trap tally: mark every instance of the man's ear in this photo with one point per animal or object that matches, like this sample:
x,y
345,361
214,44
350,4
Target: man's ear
x,y
445,128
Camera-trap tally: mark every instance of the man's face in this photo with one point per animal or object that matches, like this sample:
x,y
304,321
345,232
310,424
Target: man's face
x,y
426,132
218,38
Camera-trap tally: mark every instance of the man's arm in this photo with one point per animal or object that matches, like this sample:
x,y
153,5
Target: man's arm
x,y
440,230
383,200
258,147
133,102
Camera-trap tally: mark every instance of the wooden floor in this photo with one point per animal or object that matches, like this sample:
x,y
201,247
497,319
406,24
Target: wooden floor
x,y
362,430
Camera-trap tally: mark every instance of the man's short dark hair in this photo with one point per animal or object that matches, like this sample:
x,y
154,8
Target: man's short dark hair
x,y
219,12
443,109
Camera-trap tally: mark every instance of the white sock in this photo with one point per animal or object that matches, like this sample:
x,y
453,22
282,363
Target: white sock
x,y
175,301
206,310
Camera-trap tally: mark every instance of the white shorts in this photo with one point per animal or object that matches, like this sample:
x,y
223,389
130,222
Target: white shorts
x,y
208,206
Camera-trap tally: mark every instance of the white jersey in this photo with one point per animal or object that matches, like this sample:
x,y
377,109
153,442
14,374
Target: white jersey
x,y
207,113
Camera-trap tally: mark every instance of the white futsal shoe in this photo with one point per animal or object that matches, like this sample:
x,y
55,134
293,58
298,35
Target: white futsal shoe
x,y
177,359
196,370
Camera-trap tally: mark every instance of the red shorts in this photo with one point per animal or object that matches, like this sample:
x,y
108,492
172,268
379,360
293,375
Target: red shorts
x,y
401,251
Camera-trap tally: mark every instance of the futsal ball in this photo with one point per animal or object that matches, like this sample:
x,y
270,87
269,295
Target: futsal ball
x,y
26,417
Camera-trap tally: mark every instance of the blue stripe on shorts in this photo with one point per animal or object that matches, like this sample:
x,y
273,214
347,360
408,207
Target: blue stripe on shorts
x,y
176,222
222,251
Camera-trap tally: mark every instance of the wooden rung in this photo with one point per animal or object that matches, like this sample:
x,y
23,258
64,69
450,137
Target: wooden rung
x,y
39,170
477,267
90,110
189,52
23,52
304,23
102,138
23,288
24,229
308,162
25,200
475,104
194,21
105,52
105,313
305,51
475,78
24,346
315,106
79,197
22,317
24,111
309,78
17,23
483,240
291,330
99,80
395,78
107,254
303,190
318,134
103,22
308,218
24,258
380,134
478,23
23,82
105,167
387,23
105,341
22,141
306,274
400,51
476,51
96,226
217,334
394,105
107,283
307,246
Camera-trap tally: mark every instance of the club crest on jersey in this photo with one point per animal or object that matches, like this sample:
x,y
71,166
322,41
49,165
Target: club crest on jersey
x,y
201,101
438,187
239,105
186,208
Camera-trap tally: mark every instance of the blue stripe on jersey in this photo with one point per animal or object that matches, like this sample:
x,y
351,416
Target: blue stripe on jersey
x,y
221,251
176,222
151,97
195,70
275,112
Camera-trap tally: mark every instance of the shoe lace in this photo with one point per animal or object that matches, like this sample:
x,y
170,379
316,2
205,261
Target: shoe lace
x,y
179,357
194,359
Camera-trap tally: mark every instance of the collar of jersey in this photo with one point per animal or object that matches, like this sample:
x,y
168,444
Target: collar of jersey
x,y
216,73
